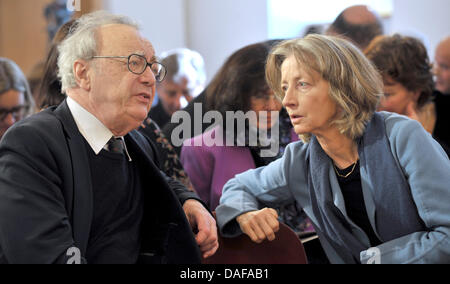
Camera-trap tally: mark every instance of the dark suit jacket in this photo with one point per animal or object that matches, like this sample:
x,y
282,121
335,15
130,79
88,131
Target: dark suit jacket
x,y
46,202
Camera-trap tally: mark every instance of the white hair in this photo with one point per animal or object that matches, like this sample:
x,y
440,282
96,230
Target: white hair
x,y
81,43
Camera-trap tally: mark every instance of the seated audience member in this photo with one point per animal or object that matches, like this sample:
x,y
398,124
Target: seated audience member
x,y
93,193
34,79
408,80
358,24
195,108
313,29
185,80
16,100
50,90
441,71
239,86
167,158
360,175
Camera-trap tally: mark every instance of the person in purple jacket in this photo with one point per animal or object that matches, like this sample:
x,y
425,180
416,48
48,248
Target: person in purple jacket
x,y
230,146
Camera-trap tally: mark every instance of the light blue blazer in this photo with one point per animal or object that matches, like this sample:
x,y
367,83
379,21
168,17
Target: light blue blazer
x,y
426,168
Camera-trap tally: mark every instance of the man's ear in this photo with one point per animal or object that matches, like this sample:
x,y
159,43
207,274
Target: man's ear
x,y
82,74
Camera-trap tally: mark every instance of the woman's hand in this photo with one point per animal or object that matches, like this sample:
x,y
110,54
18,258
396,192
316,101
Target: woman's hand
x,y
259,225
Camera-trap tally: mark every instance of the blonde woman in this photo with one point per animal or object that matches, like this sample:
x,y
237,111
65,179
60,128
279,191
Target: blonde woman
x,y
359,175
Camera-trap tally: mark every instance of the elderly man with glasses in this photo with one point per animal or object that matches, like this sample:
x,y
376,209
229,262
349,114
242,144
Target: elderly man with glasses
x,y
78,183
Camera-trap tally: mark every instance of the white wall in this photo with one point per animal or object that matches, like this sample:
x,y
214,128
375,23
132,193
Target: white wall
x,y
429,19
162,22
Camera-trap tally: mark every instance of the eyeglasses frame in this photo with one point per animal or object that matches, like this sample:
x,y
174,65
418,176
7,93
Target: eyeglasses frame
x,y
148,64
14,111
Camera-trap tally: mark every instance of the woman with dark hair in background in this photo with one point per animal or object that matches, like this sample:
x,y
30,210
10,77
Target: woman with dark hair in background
x,y
50,87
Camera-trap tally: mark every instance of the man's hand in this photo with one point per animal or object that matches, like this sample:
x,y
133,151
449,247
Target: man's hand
x,y
411,111
259,225
204,222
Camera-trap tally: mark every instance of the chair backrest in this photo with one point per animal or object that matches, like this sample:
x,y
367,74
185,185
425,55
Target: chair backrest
x,y
285,249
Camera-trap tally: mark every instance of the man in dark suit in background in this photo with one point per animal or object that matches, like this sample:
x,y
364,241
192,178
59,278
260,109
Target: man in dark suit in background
x,y
78,182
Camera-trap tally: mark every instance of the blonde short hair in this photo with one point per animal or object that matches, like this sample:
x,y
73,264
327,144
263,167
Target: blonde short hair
x,y
355,84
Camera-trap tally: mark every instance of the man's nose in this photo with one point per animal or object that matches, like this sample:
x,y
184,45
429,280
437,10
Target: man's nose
x,y
9,120
148,77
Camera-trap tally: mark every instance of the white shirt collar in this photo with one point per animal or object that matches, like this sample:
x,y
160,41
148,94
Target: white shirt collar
x,y
94,131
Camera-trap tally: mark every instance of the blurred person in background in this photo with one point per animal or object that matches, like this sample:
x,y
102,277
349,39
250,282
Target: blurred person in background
x,y
441,72
16,100
374,184
441,68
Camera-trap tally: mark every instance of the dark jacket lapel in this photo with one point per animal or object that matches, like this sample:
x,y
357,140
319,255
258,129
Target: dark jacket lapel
x,y
81,215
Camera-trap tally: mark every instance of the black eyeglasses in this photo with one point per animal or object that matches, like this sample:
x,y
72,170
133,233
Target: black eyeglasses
x,y
138,63
17,112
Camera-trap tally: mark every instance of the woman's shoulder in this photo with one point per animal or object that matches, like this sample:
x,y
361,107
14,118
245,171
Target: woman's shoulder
x,y
397,124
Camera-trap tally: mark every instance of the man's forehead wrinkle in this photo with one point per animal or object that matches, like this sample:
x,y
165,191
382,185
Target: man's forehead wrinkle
x,y
126,44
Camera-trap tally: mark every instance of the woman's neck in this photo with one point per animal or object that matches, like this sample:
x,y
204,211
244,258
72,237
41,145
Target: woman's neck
x,y
341,149
427,117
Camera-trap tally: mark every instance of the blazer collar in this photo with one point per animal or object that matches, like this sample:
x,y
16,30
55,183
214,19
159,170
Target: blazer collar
x,y
82,212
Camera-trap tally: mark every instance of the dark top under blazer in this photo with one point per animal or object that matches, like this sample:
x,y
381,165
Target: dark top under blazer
x,y
46,202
